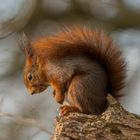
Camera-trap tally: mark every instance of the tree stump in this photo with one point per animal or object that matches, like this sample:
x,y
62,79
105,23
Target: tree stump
x,y
114,124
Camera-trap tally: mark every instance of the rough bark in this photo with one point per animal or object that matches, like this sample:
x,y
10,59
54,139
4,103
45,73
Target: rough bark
x,y
114,124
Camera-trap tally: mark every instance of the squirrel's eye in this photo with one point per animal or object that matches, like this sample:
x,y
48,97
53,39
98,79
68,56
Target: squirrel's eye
x,y
30,77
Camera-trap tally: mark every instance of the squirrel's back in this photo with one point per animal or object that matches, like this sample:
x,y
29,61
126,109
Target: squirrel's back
x,y
93,44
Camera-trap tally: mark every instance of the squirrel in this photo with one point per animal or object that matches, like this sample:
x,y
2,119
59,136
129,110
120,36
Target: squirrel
x,y
82,66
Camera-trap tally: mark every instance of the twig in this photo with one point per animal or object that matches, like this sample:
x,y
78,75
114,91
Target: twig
x,y
27,121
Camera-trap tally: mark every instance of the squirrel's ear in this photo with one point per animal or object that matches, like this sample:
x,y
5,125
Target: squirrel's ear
x,y
25,44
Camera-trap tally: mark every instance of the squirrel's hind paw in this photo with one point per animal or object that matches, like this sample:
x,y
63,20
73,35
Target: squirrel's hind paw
x,y
64,110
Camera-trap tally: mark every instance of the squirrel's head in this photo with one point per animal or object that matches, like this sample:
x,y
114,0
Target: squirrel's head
x,y
34,73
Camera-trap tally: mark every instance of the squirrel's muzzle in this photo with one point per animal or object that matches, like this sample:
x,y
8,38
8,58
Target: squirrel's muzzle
x,y
31,91
37,89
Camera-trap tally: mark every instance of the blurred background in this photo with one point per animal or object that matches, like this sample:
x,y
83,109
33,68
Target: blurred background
x,y
25,117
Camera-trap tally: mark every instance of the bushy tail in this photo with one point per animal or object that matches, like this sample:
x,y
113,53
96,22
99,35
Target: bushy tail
x,y
94,44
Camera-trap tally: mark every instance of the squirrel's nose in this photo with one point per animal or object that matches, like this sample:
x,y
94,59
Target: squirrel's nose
x,y
31,91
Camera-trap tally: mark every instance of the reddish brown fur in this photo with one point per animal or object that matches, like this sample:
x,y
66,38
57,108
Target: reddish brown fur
x,y
82,66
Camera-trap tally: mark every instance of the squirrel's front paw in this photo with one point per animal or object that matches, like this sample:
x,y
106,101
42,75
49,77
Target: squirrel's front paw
x,y
64,110
58,97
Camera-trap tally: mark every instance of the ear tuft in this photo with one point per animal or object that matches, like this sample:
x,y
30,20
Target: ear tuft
x,y
23,41
25,45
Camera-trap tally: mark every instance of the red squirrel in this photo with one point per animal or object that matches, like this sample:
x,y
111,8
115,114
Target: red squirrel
x,y
81,65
